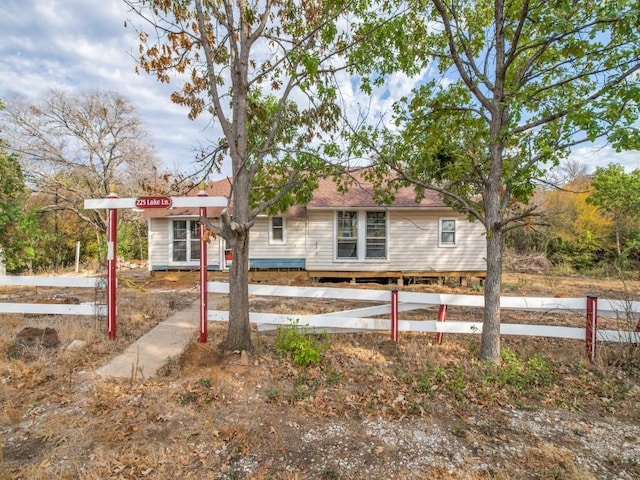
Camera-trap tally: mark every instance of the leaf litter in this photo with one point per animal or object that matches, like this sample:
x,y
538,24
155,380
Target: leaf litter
x,y
369,409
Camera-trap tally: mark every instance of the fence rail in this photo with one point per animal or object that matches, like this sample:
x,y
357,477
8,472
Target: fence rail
x,y
360,319
85,308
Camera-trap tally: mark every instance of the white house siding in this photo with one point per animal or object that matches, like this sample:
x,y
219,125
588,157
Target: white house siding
x,y
320,241
158,243
413,244
294,246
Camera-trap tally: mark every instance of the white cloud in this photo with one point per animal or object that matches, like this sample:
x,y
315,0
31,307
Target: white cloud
x,y
75,45
602,155
78,45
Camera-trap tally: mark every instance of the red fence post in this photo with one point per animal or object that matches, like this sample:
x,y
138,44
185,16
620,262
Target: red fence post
x,y
112,237
394,315
592,327
442,317
203,269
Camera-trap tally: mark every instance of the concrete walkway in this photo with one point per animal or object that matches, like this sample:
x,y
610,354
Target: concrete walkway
x,y
150,352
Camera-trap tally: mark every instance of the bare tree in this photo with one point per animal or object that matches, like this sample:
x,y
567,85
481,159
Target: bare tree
x,y
74,147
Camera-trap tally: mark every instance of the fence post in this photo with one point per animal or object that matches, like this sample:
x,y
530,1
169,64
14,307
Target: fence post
x,y
203,269
112,237
442,317
394,315
592,327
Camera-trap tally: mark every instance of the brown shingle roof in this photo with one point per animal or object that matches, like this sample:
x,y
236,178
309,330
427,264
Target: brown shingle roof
x,y
361,193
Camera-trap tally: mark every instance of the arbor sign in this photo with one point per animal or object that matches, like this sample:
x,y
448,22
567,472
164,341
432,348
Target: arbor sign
x,y
153,202
112,203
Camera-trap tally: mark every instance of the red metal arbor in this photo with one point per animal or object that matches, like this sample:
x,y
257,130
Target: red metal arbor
x,y
112,203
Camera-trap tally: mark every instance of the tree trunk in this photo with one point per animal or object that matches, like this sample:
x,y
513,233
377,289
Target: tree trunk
x,y
618,248
239,331
490,340
493,201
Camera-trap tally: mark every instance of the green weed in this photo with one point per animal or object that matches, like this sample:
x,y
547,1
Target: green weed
x,y
302,343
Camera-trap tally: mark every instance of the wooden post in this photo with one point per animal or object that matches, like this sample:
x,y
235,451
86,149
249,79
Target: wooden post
x,y
112,238
592,327
203,269
442,317
394,315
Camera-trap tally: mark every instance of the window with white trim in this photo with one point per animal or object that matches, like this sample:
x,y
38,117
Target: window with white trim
x,y
277,230
361,235
347,241
376,235
447,232
185,240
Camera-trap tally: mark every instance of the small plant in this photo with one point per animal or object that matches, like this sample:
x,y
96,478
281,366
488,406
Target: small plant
x,y
330,473
298,393
459,430
333,378
453,380
188,397
474,346
552,281
524,283
521,374
424,382
272,394
301,343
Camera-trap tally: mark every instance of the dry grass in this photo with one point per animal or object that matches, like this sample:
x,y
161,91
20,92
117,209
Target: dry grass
x,y
369,409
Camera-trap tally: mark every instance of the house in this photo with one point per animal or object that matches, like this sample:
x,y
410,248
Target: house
x,y
336,235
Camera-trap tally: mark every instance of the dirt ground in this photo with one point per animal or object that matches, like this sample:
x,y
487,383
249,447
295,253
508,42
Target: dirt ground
x,y
368,409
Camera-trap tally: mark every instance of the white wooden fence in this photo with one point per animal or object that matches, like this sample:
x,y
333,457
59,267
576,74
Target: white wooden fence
x,y
360,318
85,308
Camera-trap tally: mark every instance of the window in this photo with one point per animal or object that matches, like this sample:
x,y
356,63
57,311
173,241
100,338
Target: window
x,y
361,235
277,230
347,235
376,236
447,232
186,240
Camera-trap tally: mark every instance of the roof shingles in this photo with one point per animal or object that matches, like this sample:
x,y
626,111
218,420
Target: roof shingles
x,y
359,195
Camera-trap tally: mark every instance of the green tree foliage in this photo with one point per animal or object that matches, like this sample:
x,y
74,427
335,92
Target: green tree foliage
x,y
132,240
57,234
513,87
15,222
264,73
617,194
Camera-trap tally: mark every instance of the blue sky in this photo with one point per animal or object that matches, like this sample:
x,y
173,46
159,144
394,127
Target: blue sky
x,y
77,45
80,45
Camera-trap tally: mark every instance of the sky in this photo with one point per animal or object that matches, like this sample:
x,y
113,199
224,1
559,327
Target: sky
x,y
82,45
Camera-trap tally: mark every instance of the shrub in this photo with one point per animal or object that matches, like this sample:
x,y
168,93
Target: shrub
x,y
302,343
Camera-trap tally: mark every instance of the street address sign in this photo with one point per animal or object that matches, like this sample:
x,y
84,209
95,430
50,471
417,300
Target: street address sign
x,y
153,202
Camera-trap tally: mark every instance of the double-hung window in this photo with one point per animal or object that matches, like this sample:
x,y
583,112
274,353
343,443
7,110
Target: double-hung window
x,y
447,232
376,235
185,240
361,235
347,235
277,230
